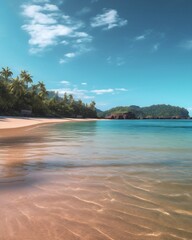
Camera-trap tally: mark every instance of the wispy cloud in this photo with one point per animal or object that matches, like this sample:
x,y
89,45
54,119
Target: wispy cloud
x,y
108,20
155,47
67,57
70,55
121,89
144,35
141,37
101,104
118,61
65,82
84,11
109,90
47,26
41,1
187,45
84,93
62,60
102,91
64,42
76,92
152,39
79,50
109,60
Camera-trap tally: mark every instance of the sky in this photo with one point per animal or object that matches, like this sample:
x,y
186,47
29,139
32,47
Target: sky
x,y
116,53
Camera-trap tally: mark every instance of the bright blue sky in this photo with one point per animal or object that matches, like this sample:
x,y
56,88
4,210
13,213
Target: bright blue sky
x,y
113,52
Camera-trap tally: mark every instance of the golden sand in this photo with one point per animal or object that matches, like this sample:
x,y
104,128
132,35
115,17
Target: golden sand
x,y
18,122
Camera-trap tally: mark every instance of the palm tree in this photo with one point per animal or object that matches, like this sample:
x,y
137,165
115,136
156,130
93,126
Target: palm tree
x,y
18,92
34,89
92,112
71,99
6,73
92,105
65,98
42,90
17,87
26,78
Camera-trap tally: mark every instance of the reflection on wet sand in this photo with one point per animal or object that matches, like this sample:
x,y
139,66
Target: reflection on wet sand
x,y
14,153
44,195
77,205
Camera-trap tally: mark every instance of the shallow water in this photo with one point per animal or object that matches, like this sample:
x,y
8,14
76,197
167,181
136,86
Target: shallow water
x,y
97,180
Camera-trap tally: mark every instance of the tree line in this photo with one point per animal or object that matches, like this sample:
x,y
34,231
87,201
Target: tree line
x,y
20,93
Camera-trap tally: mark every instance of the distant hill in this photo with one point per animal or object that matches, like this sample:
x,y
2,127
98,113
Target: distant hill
x,y
154,111
99,112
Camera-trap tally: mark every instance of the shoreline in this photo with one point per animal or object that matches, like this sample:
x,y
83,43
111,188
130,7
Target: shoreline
x,y
11,123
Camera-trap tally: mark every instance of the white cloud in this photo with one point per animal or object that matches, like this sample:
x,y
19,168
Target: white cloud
x,y
144,36
82,37
50,7
187,45
84,83
61,61
45,35
88,97
64,42
80,48
41,1
37,13
108,20
103,91
65,82
85,94
77,93
109,90
70,55
121,89
47,26
43,28
81,34
139,38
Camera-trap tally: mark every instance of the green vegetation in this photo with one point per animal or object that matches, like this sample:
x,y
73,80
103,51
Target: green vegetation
x,y
20,93
165,111
154,111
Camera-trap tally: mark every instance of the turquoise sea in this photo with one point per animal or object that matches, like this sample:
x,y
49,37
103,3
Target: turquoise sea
x,y
106,179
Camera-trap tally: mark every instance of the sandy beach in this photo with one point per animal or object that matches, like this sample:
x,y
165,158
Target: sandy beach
x,y
20,122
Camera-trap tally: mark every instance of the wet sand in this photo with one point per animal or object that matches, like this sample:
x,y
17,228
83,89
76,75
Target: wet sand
x,y
43,197
76,205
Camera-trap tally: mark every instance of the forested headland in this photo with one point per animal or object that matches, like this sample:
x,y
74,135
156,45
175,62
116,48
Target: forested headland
x,y
160,111
20,94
